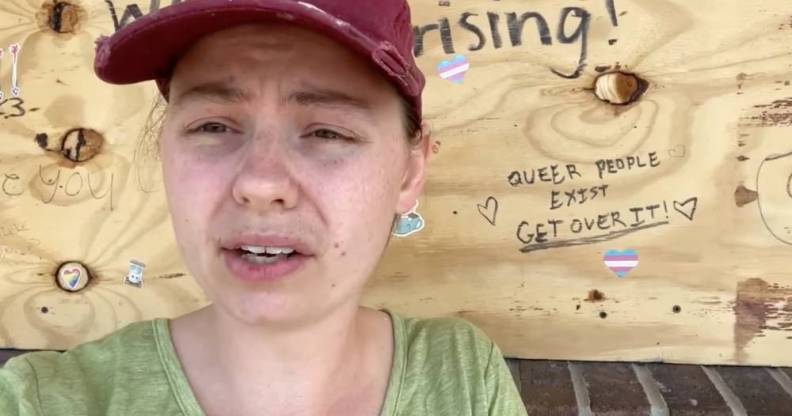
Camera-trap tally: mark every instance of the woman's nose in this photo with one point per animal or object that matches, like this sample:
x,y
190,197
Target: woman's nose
x,y
264,182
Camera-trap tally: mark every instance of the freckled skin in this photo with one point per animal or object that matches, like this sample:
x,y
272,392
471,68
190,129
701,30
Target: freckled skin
x,y
268,165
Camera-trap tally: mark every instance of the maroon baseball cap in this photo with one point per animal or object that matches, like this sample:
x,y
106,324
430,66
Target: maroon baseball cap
x,y
149,47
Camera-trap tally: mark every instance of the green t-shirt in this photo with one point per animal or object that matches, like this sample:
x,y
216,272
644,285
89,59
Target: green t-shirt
x,y
441,366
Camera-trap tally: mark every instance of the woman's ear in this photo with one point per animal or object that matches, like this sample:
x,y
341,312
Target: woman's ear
x,y
415,174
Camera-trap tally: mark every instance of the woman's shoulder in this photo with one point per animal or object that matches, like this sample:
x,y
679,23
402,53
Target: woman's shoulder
x,y
448,331
449,342
450,366
135,339
87,376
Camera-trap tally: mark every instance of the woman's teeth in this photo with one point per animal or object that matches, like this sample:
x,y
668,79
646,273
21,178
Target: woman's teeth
x,y
264,259
265,255
267,250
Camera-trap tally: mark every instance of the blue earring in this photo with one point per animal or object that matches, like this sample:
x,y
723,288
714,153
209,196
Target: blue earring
x,y
409,223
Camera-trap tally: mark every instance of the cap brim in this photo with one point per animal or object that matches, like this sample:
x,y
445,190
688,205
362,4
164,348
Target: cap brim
x,y
148,48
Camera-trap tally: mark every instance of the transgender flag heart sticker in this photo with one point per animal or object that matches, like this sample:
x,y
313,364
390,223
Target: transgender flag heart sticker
x,y
454,70
621,261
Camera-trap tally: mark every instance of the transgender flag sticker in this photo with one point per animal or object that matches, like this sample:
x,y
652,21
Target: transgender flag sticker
x,y
454,70
621,262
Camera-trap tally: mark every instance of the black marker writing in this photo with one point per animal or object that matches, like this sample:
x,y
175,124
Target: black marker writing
x,y
764,210
581,33
528,248
15,105
577,196
551,174
463,22
789,186
614,166
515,25
69,182
489,210
109,190
132,12
611,6
613,222
6,187
53,183
71,186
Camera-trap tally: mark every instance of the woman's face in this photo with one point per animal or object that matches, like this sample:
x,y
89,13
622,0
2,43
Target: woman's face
x,y
277,137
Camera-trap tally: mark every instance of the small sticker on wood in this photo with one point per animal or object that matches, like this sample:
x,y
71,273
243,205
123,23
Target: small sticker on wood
x,y
621,262
454,70
134,276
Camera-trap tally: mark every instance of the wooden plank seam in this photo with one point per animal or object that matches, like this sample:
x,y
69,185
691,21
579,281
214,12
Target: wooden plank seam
x,y
659,407
728,395
581,390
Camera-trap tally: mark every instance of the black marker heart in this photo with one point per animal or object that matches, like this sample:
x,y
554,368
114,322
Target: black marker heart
x,y
687,208
489,210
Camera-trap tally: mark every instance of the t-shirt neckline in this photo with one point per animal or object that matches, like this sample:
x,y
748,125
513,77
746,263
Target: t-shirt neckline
x,y
188,404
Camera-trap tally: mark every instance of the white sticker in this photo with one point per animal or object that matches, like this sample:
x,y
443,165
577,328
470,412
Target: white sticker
x,y
14,49
135,275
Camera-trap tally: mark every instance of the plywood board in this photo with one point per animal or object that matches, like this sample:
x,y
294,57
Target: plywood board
x,y
536,188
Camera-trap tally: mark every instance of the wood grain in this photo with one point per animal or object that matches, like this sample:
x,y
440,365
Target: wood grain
x,y
709,221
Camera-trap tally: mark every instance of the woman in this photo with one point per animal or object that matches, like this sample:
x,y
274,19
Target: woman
x,y
291,138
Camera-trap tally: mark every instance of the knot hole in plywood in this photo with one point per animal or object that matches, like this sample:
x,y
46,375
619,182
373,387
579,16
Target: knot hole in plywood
x,y
72,276
619,88
60,16
77,145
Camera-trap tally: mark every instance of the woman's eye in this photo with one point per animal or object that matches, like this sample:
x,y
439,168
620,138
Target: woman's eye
x,y
211,128
329,135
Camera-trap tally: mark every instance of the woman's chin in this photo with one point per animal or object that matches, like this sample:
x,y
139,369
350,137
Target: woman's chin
x,y
264,309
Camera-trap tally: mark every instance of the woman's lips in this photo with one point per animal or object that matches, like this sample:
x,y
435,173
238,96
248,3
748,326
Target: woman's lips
x,y
265,240
254,272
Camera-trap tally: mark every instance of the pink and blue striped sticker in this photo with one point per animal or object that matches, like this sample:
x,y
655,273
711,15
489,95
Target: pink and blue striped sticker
x,y
454,70
621,262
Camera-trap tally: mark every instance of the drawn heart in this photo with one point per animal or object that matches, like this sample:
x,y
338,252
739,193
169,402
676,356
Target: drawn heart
x,y
687,208
621,262
74,280
454,70
489,210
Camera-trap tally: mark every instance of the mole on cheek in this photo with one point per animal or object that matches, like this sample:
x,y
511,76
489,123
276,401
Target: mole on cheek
x,y
343,254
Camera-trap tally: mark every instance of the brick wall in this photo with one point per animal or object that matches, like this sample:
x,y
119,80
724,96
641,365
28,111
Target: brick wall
x,y
616,389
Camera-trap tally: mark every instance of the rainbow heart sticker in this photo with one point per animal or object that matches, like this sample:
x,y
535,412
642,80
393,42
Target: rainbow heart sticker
x,y
75,278
454,70
621,262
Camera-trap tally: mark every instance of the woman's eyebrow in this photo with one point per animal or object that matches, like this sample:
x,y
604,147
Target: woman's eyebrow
x,y
227,93
326,97
213,91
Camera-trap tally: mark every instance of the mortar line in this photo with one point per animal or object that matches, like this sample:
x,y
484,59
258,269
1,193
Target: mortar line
x,y
656,400
728,395
581,390
782,378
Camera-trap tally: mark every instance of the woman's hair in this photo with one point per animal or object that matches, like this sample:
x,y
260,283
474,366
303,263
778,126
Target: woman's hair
x,y
412,127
